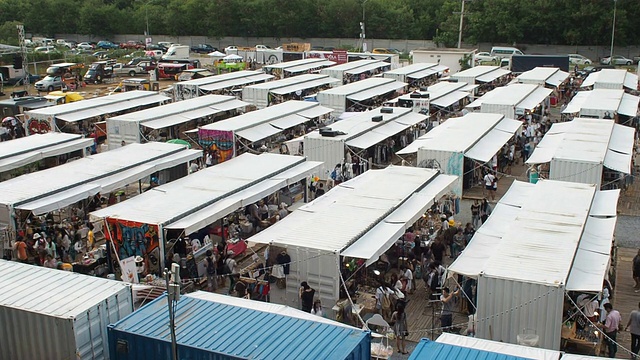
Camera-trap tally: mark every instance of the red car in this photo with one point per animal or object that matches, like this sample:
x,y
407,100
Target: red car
x,y
137,45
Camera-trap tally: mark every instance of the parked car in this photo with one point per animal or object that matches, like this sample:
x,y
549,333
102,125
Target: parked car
x,y
100,54
381,51
154,47
107,45
61,42
50,83
98,71
85,46
591,69
262,47
132,45
616,60
70,44
120,69
484,56
44,49
203,49
165,44
577,59
230,48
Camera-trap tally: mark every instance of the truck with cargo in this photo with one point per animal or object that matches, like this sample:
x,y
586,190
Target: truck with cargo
x,y
54,314
177,52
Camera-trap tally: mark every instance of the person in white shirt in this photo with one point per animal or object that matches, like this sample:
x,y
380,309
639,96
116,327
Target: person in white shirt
x,y
489,181
409,275
209,159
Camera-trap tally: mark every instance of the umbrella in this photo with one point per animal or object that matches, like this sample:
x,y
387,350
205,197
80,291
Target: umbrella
x,y
8,119
232,57
179,142
217,54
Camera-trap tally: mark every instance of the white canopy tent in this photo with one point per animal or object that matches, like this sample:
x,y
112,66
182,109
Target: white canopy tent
x,y
540,241
578,150
261,94
442,95
358,133
95,107
262,124
476,135
543,76
291,66
512,100
357,92
27,150
416,71
480,74
200,199
619,79
360,218
603,104
128,127
234,80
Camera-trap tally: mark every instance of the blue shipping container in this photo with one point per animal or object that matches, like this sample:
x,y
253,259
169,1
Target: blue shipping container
x,y
431,350
214,331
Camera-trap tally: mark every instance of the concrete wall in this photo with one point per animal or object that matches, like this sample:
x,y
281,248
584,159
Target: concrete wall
x,y
593,52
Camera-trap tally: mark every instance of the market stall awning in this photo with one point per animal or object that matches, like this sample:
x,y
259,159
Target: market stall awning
x,y
17,161
315,112
450,99
376,91
310,84
576,103
311,66
198,219
67,147
230,105
489,145
384,234
111,108
490,76
428,72
618,161
605,203
368,67
288,121
534,99
60,200
385,131
629,105
259,132
235,82
557,78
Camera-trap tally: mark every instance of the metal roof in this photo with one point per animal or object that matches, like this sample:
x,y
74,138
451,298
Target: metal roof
x,y
294,80
52,292
543,75
610,100
288,64
244,333
353,64
498,347
611,78
475,71
431,350
361,87
97,102
100,168
412,69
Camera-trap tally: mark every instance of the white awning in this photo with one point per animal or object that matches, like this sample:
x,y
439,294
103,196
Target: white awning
x,y
17,161
230,105
375,242
376,91
315,112
489,77
111,108
234,82
598,235
557,78
622,139
605,203
450,98
81,115
385,131
629,105
577,102
67,147
428,72
534,99
311,66
60,200
631,81
368,67
199,219
259,132
517,193
310,84
176,119
288,121
588,271
476,103
488,145
546,149
618,161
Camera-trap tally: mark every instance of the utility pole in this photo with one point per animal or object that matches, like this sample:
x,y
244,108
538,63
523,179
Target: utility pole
x,y
363,36
613,30
461,22
172,279
23,55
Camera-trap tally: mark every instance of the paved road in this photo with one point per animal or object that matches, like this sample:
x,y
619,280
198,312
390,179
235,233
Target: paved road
x,y
628,231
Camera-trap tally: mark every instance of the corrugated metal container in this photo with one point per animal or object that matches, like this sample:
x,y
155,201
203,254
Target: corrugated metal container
x,y
258,96
54,314
215,331
336,74
506,110
431,350
122,130
338,101
395,76
329,150
576,171
593,113
448,162
507,308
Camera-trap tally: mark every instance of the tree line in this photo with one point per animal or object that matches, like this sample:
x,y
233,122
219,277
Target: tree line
x,y
568,22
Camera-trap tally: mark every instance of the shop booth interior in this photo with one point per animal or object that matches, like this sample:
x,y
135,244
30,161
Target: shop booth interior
x,y
303,95
370,103
581,315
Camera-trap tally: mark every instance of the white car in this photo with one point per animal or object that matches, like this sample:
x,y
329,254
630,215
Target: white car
x,y
262,47
231,49
483,57
44,49
84,46
577,59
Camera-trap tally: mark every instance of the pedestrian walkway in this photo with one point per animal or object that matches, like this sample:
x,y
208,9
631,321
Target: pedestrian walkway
x,y
629,202
624,299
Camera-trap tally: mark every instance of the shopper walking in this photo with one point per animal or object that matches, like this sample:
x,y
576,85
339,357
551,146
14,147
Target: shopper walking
x,y
610,328
399,321
448,301
636,271
634,324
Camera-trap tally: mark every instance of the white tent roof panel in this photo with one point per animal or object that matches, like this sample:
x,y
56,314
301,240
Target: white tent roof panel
x,y
60,199
307,67
259,132
450,99
376,91
309,84
97,102
488,145
237,82
368,67
489,77
629,105
500,347
535,98
386,130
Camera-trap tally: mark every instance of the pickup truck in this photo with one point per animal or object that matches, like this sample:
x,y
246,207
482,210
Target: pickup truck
x,y
120,69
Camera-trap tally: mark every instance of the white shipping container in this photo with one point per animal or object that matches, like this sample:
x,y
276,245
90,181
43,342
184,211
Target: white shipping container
x,y
338,102
329,150
448,162
576,171
53,314
506,110
257,96
507,308
122,130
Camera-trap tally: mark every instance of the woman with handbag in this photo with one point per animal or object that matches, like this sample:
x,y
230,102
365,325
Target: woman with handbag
x,y
399,320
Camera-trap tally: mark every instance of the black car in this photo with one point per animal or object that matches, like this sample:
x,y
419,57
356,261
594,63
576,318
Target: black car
x,y
156,47
203,49
591,69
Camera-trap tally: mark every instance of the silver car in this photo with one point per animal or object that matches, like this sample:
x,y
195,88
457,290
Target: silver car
x,y
616,60
50,83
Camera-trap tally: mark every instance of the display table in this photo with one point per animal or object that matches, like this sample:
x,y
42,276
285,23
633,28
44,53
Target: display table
x,y
237,246
587,341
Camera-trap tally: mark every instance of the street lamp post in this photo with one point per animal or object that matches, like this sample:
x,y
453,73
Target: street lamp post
x,y
613,30
461,22
363,35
